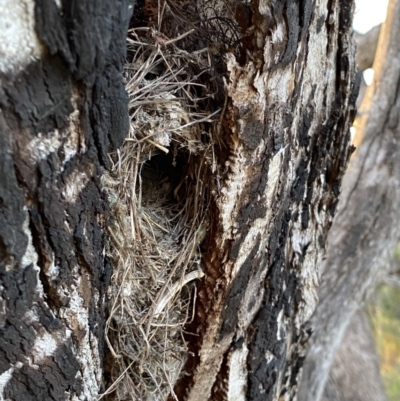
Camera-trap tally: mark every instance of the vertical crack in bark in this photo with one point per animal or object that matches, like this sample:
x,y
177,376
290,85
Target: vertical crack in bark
x,y
303,150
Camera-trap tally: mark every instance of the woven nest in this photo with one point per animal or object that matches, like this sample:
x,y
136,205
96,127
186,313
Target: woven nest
x,y
159,190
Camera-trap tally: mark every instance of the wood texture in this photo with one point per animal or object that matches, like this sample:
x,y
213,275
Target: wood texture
x,y
63,107
365,231
284,148
286,137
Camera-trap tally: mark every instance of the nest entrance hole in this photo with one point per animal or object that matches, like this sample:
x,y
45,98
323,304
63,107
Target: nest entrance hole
x,y
165,168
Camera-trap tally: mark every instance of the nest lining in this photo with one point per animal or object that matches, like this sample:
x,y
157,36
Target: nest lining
x,y
159,190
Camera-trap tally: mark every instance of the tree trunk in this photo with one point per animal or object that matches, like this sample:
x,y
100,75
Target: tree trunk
x,y
282,150
355,373
366,47
63,107
365,231
287,130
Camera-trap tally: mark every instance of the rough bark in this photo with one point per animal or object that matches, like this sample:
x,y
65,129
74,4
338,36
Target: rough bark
x,y
63,107
284,147
286,136
365,231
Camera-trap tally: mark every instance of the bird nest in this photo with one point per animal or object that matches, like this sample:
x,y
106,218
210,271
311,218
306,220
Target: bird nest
x,y
159,190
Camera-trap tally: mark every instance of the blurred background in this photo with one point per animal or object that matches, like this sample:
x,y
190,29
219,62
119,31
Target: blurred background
x,y
383,306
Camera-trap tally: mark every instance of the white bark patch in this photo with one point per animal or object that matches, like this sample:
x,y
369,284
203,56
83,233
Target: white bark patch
x,y
53,270
211,357
305,246
4,379
269,356
76,317
3,309
30,256
75,142
30,317
264,8
44,144
281,326
237,382
69,140
274,174
45,343
321,69
279,82
19,44
44,346
232,190
278,34
75,184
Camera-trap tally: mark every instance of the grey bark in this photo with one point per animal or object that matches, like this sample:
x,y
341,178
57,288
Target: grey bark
x,y
392,280
355,373
283,148
365,230
366,47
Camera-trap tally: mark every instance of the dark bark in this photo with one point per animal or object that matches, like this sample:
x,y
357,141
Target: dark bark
x,y
60,115
286,130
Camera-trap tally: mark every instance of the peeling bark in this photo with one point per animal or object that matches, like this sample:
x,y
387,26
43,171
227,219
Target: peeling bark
x,y
286,128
